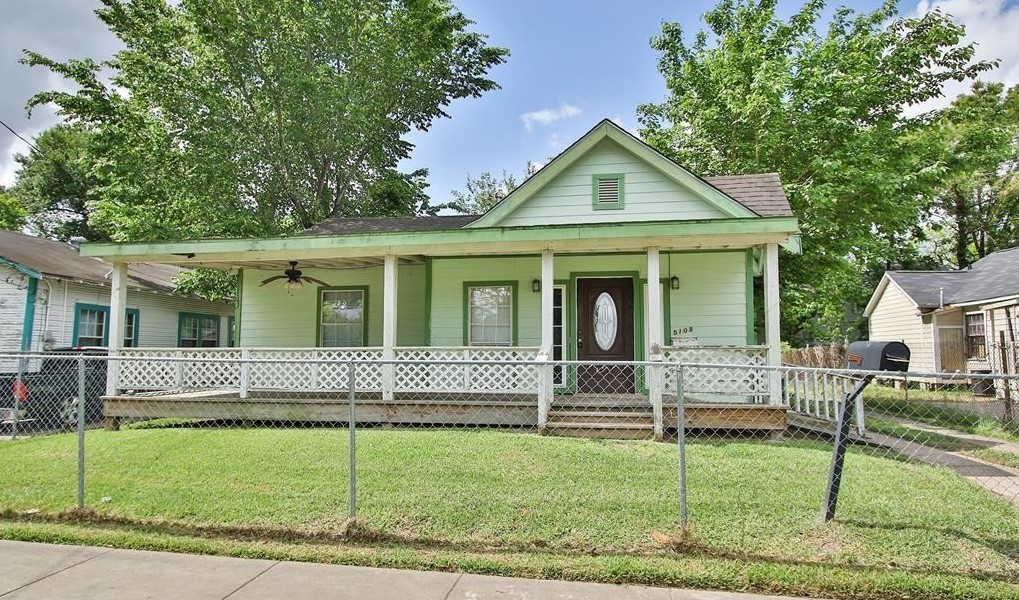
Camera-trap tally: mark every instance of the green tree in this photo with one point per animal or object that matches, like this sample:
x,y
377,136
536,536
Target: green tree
x,y
824,109
977,204
261,117
12,215
486,190
54,182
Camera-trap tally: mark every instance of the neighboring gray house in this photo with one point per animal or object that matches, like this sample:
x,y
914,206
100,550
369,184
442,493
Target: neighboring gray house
x,y
50,296
949,319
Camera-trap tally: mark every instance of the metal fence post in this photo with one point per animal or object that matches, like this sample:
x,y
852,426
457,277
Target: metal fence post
x,y
352,443
81,432
681,445
16,393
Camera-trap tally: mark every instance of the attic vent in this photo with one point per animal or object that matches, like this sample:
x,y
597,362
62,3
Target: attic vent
x,y
608,191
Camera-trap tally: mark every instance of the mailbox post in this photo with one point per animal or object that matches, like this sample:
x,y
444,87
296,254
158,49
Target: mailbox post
x,y
865,356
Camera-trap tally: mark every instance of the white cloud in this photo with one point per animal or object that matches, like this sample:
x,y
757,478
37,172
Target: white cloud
x,y
547,116
991,25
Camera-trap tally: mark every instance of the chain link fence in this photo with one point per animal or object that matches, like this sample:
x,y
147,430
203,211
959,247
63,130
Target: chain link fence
x,y
497,449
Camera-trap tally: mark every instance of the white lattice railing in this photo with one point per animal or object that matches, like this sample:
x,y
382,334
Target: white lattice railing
x,y
737,380
415,374
498,369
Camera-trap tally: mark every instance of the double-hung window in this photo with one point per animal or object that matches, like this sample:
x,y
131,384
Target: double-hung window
x,y
343,319
490,314
976,340
197,331
92,326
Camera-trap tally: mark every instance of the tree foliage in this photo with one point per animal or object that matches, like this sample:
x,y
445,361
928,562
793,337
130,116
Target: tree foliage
x,y
54,183
977,204
12,215
261,117
824,109
486,190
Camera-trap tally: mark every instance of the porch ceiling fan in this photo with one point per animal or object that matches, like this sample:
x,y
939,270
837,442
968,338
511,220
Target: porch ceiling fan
x,y
294,278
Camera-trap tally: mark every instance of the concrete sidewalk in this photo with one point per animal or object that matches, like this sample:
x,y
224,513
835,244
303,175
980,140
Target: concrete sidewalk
x,y
52,572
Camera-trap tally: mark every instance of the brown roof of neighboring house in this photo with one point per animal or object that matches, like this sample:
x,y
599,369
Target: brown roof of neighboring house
x,y
57,259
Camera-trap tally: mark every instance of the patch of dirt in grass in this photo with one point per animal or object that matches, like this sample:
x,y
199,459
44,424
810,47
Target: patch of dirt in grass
x,y
828,544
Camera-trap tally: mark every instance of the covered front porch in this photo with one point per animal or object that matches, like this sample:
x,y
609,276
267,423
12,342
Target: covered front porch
x,y
526,338
444,387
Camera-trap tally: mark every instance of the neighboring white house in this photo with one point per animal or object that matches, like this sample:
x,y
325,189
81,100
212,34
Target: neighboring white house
x,y
51,297
951,320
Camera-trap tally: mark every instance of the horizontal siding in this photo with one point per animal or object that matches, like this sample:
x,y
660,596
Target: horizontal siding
x,y
648,194
158,314
12,313
272,317
895,320
711,298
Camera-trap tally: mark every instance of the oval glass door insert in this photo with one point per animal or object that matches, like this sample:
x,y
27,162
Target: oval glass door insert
x,y
605,321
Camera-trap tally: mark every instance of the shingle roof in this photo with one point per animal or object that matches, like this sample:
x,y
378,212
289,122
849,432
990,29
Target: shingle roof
x,y
57,259
926,287
994,276
761,193
339,225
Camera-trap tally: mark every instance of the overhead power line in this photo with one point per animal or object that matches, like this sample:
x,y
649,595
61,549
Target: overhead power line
x,y
20,137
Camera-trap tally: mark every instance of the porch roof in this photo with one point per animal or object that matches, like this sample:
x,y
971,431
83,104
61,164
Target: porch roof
x,y
351,249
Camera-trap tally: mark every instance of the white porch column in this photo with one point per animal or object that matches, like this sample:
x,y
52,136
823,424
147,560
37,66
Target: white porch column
x,y
772,331
389,326
654,336
546,386
118,311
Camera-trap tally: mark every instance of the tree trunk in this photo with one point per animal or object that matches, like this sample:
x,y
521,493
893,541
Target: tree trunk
x,y
962,228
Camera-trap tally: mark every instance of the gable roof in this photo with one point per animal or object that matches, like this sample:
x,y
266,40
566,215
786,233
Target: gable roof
x,y
994,276
606,129
56,259
761,193
752,195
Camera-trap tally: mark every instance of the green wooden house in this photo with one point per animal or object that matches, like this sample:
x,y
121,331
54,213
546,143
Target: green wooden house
x,y
610,253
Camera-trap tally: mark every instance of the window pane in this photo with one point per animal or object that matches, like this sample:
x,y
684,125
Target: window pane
x,y
91,327
129,326
342,318
491,315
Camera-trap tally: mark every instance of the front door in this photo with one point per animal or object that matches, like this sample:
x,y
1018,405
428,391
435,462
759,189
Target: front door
x,y
605,333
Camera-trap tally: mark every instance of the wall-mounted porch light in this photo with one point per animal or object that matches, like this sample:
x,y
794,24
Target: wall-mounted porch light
x,y
674,282
536,286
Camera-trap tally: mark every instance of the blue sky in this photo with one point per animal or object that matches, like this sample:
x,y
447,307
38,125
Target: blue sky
x,y
572,63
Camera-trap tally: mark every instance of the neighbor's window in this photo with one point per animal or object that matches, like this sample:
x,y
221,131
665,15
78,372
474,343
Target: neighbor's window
x,y
343,322
91,329
198,331
130,328
490,315
976,346
93,324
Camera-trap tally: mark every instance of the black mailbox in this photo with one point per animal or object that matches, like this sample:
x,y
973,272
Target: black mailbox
x,y
877,356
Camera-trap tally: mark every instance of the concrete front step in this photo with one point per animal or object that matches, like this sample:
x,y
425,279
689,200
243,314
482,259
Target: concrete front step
x,y
602,416
611,431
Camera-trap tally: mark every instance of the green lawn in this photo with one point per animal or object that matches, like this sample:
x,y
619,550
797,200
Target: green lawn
x,y
943,408
513,503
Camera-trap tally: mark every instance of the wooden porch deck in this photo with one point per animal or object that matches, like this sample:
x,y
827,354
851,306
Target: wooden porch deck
x,y
627,416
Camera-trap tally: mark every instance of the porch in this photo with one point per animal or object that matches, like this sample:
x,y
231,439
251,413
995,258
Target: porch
x,y
454,386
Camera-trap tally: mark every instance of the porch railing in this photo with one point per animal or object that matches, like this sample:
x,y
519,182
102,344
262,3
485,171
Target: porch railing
x,y
325,369
740,380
